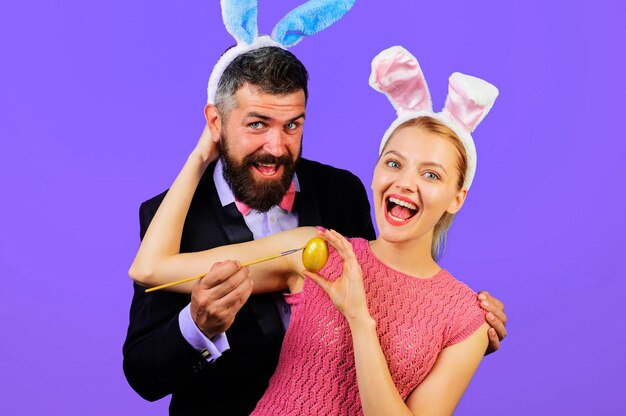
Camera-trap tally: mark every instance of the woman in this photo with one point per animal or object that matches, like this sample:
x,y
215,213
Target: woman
x,y
403,336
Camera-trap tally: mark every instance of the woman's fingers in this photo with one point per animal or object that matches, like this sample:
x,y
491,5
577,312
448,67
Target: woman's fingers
x,y
339,242
351,267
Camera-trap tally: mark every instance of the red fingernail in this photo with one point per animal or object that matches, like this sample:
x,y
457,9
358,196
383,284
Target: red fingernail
x,y
321,229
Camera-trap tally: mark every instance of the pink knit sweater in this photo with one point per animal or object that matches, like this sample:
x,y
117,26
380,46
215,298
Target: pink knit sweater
x,y
415,320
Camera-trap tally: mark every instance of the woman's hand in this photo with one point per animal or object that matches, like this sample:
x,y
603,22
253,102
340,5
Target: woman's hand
x,y
206,149
347,292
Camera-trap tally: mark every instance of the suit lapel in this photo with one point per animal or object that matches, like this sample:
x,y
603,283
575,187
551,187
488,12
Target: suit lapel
x,y
227,217
231,221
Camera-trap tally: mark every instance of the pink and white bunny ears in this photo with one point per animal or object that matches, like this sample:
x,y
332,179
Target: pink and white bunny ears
x,y
397,74
240,19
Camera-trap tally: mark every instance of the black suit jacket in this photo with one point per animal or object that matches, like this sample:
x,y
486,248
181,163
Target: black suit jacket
x,y
157,359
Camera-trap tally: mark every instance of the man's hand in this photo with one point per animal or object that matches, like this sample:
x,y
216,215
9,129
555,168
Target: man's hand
x,y
218,296
495,317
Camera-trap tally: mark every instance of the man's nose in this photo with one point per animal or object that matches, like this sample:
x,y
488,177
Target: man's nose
x,y
275,143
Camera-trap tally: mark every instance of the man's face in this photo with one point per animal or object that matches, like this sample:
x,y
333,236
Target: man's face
x,y
260,145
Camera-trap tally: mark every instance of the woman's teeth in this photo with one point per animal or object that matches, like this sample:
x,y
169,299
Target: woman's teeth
x,y
400,210
403,203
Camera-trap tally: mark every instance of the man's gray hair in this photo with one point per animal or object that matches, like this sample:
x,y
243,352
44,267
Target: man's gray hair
x,y
270,69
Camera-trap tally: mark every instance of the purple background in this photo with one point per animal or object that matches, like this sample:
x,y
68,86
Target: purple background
x,y
100,103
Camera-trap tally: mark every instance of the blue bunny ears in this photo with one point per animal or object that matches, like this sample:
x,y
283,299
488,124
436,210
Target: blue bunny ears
x,y
240,19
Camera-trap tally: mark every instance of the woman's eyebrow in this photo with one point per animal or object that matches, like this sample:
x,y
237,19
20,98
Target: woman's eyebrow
x,y
436,165
394,153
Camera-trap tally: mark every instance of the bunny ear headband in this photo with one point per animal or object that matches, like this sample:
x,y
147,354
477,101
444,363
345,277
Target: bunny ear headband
x,y
240,19
397,74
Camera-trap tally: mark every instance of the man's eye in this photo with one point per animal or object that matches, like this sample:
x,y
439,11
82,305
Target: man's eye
x,y
256,125
291,126
393,164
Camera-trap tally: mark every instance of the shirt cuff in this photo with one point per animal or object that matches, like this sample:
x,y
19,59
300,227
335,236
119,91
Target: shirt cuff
x,y
211,349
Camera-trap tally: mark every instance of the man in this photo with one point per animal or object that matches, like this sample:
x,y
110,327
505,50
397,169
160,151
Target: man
x,y
259,186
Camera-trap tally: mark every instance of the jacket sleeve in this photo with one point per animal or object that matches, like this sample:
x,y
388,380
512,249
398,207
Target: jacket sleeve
x,y
364,227
157,359
353,209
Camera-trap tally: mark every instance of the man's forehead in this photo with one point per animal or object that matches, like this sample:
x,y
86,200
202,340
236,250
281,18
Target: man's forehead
x,y
252,93
252,101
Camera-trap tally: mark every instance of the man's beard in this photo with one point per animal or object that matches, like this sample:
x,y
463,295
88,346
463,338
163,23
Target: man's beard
x,y
259,195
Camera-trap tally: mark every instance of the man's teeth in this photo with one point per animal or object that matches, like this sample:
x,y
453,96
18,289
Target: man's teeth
x,y
266,168
403,203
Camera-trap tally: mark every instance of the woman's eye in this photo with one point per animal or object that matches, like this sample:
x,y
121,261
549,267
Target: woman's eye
x,y
432,176
393,164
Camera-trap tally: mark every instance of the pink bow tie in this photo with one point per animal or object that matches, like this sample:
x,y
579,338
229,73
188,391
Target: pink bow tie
x,y
286,203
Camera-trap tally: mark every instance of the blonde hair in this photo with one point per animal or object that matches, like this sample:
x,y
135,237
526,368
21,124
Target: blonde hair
x,y
440,231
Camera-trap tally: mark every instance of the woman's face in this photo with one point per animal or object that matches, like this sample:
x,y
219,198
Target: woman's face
x,y
415,183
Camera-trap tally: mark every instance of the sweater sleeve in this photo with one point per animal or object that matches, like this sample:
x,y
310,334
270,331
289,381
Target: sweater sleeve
x,y
467,315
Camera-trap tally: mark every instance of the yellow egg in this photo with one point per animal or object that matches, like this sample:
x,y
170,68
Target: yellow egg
x,y
315,254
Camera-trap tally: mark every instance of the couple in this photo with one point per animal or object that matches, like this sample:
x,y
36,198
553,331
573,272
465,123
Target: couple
x,y
401,329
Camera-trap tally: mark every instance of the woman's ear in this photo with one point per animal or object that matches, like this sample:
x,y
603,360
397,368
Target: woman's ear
x,y
214,121
457,202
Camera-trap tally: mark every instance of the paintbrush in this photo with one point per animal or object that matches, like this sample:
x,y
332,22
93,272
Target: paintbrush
x,y
248,263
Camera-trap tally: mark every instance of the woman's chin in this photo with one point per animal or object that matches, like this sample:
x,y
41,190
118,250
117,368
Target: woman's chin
x,y
394,234
401,235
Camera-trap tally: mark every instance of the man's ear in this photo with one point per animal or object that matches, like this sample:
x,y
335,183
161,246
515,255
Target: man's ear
x,y
214,121
457,202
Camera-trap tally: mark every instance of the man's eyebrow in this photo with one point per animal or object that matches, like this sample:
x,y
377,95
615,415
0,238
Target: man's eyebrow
x,y
268,118
258,115
297,117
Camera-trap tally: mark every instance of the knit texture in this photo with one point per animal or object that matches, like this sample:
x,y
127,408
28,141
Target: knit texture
x,y
415,320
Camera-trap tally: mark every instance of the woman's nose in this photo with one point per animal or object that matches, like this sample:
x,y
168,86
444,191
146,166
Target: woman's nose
x,y
407,181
